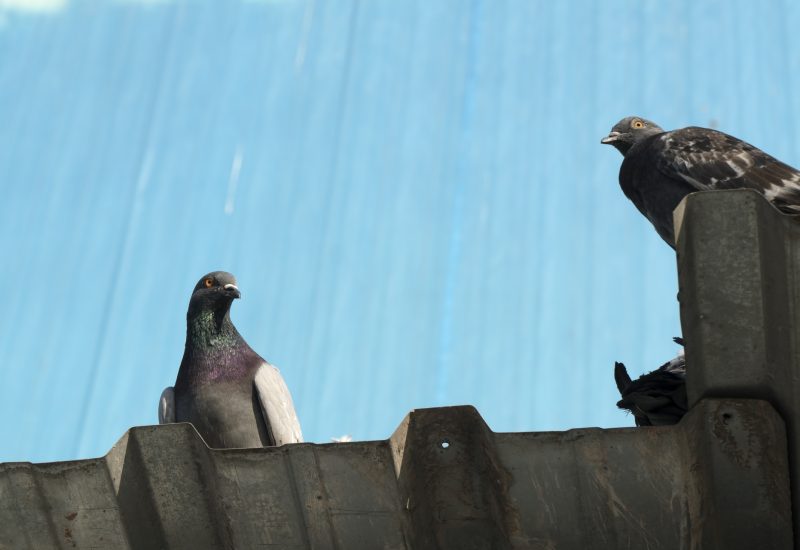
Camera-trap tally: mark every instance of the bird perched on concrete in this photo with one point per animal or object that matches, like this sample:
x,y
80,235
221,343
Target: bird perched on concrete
x,y
657,398
225,389
660,168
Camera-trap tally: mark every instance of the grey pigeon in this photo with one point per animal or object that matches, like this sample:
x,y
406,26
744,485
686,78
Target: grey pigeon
x,y
225,389
657,398
660,168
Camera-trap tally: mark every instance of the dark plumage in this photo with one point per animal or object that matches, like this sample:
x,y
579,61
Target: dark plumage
x,y
660,168
225,389
657,398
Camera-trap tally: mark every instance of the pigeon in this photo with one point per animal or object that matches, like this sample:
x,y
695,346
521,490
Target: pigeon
x,y
657,398
232,396
660,168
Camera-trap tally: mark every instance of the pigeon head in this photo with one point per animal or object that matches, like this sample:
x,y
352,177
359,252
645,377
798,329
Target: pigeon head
x,y
629,131
214,293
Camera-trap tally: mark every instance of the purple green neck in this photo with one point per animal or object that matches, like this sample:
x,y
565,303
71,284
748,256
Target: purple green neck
x,y
210,331
214,349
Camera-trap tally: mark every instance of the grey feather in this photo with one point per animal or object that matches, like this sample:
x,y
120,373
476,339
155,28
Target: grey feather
x,y
166,406
277,406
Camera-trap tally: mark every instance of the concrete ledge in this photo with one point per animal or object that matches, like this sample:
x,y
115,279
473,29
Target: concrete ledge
x,y
739,276
719,479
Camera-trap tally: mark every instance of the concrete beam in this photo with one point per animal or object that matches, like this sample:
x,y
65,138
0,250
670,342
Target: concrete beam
x,y
739,277
444,480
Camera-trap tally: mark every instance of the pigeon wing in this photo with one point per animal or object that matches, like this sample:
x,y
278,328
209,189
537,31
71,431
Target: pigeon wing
x,y
166,406
277,406
707,159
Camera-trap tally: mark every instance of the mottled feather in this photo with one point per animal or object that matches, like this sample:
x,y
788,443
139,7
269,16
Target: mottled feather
x,y
660,168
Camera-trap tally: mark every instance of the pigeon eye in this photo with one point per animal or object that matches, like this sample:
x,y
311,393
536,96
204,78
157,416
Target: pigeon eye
x,y
209,282
637,124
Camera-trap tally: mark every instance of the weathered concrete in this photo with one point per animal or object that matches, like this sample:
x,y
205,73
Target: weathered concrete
x,y
739,272
719,479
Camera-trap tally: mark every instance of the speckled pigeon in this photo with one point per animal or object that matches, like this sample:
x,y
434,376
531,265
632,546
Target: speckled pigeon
x,y
657,398
660,168
225,389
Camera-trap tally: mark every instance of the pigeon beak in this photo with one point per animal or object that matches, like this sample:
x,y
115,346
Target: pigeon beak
x,y
610,138
233,290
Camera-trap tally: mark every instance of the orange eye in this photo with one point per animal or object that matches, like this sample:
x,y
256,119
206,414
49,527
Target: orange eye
x,y
637,124
209,282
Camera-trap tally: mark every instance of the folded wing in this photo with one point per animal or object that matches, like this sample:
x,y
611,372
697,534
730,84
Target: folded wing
x,y
707,159
277,406
166,406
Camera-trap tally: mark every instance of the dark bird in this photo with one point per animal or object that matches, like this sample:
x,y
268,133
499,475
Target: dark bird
x,y
657,398
225,389
660,168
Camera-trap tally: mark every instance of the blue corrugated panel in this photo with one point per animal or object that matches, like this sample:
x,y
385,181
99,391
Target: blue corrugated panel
x,y
412,195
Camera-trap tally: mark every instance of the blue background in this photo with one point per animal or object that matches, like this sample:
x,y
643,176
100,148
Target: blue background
x,y
412,195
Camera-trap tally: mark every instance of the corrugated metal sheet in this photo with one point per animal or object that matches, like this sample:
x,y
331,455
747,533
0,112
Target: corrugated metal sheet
x,y
718,480
411,193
